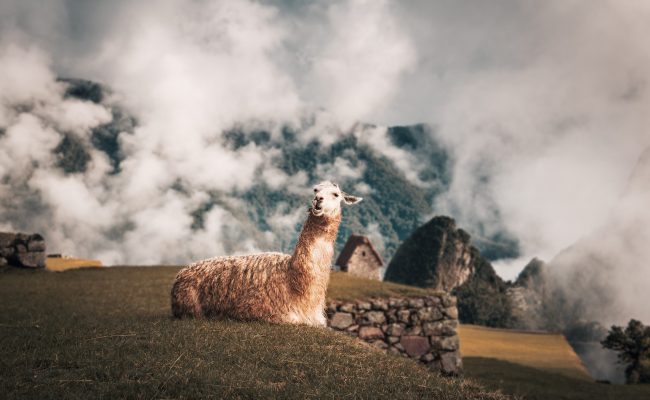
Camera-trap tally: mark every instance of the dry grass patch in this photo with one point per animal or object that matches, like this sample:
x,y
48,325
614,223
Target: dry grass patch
x,y
59,264
344,286
546,351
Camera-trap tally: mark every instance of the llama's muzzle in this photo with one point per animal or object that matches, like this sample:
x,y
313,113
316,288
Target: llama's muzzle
x,y
317,206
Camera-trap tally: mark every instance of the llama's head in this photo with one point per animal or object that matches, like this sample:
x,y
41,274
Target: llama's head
x,y
328,197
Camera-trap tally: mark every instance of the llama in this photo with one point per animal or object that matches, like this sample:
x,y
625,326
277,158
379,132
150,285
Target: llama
x,y
272,287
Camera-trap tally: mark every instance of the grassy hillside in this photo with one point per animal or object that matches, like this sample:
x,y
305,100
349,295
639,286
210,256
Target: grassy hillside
x,y
546,351
107,333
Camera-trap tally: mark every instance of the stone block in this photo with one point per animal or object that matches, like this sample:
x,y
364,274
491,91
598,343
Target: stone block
x,y
416,303
341,320
403,316
380,304
36,245
429,314
415,330
374,318
364,305
451,363
31,260
394,351
452,312
395,329
432,301
347,307
370,333
415,346
397,303
391,315
449,343
449,300
440,328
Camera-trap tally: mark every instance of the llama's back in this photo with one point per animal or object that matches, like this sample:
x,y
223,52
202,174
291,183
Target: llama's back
x,y
241,287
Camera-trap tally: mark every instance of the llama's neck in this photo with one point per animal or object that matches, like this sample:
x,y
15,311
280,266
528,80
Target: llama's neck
x,y
312,258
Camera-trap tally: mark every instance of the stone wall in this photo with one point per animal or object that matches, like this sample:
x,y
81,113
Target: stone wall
x,y
423,328
22,250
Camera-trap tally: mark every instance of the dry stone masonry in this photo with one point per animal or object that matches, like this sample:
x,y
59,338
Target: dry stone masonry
x,y
423,328
22,250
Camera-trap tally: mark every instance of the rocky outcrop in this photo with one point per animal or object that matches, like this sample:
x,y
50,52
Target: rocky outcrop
x,y
423,328
528,297
22,250
437,255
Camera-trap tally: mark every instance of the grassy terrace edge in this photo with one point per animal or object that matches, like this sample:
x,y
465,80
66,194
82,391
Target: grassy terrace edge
x,y
342,287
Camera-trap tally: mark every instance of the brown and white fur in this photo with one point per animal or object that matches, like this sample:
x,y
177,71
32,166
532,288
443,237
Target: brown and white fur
x,y
273,287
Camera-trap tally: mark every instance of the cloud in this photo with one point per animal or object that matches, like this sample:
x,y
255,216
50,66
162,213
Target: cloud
x,y
357,68
545,126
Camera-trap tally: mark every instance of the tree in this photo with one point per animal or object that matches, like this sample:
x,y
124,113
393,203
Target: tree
x,y
633,347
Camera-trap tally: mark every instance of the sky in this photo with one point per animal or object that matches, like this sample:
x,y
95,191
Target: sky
x,y
543,105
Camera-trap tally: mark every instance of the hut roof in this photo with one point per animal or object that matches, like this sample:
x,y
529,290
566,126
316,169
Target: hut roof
x,y
353,242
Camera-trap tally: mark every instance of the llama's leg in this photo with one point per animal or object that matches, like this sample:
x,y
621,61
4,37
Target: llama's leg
x,y
319,318
314,318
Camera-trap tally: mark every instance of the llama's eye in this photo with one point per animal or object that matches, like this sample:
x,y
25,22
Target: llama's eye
x,y
336,195
315,190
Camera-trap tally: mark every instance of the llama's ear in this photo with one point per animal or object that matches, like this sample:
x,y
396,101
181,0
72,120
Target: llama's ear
x,y
349,199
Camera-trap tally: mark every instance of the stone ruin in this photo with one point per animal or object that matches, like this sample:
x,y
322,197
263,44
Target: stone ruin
x,y
423,328
22,250
360,258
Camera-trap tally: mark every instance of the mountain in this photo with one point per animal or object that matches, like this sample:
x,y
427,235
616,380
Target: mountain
x,y
436,255
528,296
400,171
439,255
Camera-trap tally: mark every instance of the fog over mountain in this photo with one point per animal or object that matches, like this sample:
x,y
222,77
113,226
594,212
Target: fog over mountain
x,y
540,107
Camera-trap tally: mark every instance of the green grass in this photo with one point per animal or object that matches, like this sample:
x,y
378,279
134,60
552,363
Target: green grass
x,y
537,384
107,333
